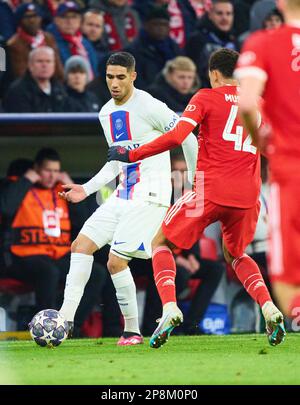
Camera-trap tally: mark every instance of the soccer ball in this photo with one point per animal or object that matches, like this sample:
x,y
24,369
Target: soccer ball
x,y
48,328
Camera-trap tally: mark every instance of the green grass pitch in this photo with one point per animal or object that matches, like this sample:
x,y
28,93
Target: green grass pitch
x,y
233,359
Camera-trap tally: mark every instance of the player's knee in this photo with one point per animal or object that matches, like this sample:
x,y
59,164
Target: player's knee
x,y
83,245
75,247
115,264
158,240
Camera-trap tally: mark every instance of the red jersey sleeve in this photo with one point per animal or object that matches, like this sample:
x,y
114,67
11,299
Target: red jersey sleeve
x,y
195,110
191,117
253,58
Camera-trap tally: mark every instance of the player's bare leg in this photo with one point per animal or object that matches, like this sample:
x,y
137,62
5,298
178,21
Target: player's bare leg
x,y
164,269
288,296
250,276
126,295
81,264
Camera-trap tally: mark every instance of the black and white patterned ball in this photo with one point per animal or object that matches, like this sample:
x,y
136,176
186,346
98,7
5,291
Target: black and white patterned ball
x,y
48,328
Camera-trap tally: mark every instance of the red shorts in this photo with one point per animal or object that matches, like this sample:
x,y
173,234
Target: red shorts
x,y
188,217
284,220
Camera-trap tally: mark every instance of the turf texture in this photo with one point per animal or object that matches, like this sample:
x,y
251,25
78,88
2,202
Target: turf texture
x,y
232,359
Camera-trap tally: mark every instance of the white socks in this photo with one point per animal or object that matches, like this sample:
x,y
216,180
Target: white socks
x,y
126,296
79,274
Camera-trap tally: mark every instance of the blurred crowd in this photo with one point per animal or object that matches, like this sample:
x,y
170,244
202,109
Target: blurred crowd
x,y
56,50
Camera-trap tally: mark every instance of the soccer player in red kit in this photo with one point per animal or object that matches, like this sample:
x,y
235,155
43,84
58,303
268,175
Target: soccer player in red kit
x,y
226,189
269,65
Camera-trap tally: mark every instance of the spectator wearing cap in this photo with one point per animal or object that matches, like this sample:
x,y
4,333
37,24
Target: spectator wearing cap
x,y
49,7
273,20
122,23
259,11
214,31
77,76
68,36
153,47
37,90
29,36
183,17
176,84
93,29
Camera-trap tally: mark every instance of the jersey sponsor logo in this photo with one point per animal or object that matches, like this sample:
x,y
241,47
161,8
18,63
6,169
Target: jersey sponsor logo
x,y
171,124
190,107
120,126
246,58
134,146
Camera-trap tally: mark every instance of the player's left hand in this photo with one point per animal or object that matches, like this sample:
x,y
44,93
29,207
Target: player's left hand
x,y
118,153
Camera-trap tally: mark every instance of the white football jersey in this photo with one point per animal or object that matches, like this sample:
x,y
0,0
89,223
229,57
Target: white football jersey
x,y
140,120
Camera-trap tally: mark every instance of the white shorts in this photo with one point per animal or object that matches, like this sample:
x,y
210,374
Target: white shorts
x,y
127,225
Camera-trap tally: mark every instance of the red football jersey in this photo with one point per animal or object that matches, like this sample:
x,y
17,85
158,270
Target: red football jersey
x,y
274,56
231,164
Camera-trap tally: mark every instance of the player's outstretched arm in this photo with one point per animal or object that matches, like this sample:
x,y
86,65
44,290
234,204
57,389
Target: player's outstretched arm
x,y
167,141
78,192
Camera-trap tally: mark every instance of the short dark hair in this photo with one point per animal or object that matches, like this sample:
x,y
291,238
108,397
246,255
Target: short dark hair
x,y
124,59
224,60
46,154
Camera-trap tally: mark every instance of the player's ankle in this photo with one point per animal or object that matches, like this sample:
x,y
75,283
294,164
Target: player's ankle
x,y
266,304
129,334
170,305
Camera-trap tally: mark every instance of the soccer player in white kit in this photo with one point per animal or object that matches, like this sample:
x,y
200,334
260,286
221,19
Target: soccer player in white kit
x,y
130,218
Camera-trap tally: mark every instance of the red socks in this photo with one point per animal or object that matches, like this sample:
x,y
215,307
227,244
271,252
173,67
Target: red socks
x,y
164,269
250,276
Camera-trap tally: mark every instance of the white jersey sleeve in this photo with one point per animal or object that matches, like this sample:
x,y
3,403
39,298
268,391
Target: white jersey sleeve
x,y
108,172
165,119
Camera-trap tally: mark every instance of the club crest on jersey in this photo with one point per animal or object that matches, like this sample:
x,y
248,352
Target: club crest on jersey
x,y
120,126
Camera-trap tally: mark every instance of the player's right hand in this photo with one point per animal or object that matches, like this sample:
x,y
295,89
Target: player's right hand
x,y
74,194
118,153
